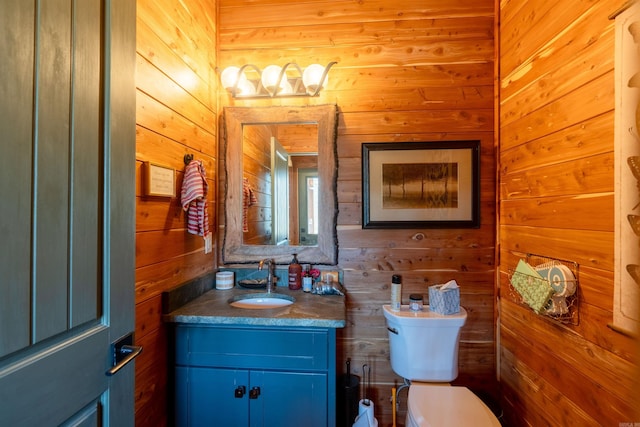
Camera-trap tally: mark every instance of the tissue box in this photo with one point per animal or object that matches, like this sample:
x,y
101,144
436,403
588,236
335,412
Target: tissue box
x,y
445,301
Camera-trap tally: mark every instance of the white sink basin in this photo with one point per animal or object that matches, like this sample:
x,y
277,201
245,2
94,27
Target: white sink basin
x,y
261,301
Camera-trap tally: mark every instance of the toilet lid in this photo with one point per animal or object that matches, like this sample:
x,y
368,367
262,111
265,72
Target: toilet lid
x,y
438,406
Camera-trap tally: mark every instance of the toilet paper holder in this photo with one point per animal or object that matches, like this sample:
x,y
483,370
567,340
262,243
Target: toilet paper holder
x,y
366,416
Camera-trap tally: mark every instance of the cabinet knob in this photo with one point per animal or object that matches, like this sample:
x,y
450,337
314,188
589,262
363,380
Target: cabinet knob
x,y
240,391
254,393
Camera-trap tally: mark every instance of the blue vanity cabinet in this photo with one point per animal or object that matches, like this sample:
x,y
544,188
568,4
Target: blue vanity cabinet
x,y
255,376
202,397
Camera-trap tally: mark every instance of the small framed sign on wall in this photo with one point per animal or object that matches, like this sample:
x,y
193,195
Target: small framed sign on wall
x,y
159,180
421,184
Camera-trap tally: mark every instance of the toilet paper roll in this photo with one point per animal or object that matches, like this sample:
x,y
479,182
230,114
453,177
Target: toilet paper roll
x,y
365,416
224,280
562,280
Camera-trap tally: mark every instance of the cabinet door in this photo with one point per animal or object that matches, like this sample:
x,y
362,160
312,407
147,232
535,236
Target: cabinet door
x,y
289,399
211,397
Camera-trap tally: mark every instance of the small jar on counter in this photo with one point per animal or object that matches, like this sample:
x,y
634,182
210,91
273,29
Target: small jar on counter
x,y
307,283
416,302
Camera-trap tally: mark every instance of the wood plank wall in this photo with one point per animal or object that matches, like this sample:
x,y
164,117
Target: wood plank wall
x,y
175,115
407,71
556,171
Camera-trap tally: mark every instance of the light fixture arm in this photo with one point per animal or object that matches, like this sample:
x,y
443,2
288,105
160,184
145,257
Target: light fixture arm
x,y
234,90
283,73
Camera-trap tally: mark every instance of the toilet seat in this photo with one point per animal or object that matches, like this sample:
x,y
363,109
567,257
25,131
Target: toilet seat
x,y
432,405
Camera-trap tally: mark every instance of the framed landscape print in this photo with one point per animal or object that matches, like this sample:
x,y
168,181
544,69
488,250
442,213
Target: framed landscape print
x,y
421,184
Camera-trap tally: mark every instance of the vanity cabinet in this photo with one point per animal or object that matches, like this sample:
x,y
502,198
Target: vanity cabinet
x,y
254,376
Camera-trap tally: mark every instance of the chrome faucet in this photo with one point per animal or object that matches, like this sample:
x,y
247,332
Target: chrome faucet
x,y
271,273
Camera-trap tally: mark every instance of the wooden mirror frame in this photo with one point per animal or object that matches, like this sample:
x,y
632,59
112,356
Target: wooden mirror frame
x,y
234,119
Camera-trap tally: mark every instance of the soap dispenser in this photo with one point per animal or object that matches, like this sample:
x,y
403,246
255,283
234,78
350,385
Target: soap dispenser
x,y
295,274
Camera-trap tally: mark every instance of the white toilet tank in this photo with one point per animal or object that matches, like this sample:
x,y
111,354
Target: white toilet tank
x,y
424,344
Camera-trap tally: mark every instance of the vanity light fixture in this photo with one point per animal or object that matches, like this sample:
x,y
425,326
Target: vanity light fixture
x,y
274,81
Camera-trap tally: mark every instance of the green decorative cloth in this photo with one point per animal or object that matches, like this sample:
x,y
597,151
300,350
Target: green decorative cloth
x,y
534,289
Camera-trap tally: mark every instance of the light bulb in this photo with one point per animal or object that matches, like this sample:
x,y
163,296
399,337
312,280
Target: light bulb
x,y
246,88
229,77
311,78
285,88
270,78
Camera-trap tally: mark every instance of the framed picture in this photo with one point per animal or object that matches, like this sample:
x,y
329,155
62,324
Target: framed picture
x,y
421,184
159,180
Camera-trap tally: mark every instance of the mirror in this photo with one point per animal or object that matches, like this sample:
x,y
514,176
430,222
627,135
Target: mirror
x,y
280,173
243,124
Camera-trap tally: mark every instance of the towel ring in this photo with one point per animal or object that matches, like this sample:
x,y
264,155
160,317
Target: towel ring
x,y
188,158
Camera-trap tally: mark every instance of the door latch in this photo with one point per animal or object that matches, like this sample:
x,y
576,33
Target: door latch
x,y
122,352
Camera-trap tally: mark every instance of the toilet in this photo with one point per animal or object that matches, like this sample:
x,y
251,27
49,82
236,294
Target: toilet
x,y
424,351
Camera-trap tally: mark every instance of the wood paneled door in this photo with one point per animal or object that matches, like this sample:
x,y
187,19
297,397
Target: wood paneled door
x,y
67,181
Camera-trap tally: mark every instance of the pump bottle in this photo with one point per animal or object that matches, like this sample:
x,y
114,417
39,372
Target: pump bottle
x,y
295,273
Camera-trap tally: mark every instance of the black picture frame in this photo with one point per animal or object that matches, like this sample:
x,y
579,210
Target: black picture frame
x,y
430,184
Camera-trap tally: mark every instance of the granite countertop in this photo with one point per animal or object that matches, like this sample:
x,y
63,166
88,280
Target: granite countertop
x,y
310,310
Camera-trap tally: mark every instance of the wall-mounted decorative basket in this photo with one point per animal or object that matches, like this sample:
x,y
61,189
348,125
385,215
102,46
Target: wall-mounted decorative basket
x,y
549,286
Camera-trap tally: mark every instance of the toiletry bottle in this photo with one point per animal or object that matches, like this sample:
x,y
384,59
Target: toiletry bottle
x,y
295,273
396,292
307,280
416,302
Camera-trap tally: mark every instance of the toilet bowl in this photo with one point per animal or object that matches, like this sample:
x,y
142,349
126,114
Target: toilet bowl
x,y
424,351
438,405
